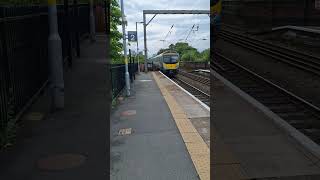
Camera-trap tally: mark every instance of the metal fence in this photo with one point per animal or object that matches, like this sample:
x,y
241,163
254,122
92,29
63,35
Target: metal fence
x,y
194,65
118,77
24,49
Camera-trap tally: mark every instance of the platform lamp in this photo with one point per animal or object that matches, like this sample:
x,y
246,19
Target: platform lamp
x,y
55,58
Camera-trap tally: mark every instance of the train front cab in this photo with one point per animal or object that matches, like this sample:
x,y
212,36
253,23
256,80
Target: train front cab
x,y
170,70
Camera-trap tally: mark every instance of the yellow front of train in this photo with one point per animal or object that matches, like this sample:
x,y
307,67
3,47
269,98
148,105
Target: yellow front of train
x,y
170,64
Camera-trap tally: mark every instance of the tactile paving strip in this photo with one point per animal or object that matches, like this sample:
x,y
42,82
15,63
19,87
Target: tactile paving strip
x,y
197,148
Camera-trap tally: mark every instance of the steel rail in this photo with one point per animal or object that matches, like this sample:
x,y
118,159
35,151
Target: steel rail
x,y
306,65
288,93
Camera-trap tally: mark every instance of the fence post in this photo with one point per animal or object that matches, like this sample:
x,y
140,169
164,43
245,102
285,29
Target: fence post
x,y
92,22
106,16
133,69
67,29
130,66
76,28
111,80
55,58
6,83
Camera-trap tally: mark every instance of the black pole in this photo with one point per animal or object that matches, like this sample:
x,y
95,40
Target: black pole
x,y
305,13
76,27
67,30
130,66
107,16
133,69
215,23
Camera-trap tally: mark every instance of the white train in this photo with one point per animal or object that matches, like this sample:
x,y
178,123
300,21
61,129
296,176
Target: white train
x,y
167,62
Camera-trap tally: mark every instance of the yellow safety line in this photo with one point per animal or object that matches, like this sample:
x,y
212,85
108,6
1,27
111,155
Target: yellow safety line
x,y
197,148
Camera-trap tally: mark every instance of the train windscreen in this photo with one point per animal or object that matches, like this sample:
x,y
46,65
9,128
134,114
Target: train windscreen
x,y
170,59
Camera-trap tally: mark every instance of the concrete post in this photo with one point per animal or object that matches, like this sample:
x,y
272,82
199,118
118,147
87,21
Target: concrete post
x,y
125,50
145,43
55,58
92,22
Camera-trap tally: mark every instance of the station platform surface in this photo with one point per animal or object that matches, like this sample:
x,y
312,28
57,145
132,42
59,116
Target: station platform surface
x,y
249,145
71,143
159,140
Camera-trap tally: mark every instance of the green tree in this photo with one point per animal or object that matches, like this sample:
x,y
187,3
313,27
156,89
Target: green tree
x,y
116,36
205,55
190,56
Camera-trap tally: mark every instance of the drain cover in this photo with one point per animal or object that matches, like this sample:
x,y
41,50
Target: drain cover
x,y
125,131
61,162
128,113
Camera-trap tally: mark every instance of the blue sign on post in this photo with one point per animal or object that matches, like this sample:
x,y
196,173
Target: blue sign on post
x,y
132,36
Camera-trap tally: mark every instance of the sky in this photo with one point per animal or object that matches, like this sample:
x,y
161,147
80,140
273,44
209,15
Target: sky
x,y
160,26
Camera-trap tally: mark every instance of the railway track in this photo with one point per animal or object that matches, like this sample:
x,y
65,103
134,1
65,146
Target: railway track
x,y
204,73
292,57
299,113
202,96
195,77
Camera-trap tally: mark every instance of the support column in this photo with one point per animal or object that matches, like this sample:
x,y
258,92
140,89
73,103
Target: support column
x,y
55,58
125,50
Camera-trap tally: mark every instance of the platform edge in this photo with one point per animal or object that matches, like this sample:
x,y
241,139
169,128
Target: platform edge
x,y
300,138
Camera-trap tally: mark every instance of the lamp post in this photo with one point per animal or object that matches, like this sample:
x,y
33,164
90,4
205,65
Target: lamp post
x,y
124,22
138,46
55,58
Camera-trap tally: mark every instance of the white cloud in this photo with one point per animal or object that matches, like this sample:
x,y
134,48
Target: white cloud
x,y
160,25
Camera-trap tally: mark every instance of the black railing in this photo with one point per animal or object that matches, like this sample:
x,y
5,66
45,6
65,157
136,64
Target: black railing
x,y
194,65
24,64
24,52
118,77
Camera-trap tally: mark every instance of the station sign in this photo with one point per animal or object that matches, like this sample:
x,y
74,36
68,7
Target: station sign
x,y
132,36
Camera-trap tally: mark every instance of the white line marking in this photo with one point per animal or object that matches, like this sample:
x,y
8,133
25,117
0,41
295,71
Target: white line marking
x,y
204,105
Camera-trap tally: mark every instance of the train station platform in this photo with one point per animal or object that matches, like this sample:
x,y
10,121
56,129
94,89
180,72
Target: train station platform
x,y
159,132
71,143
247,144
